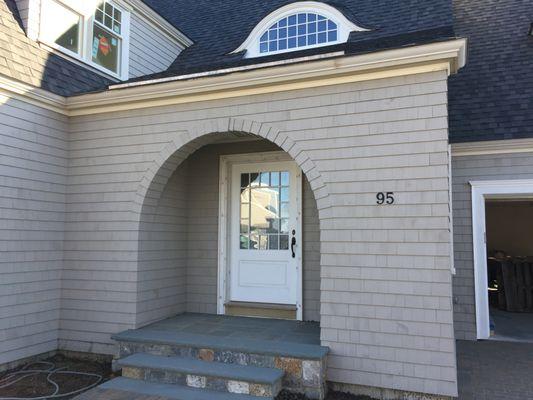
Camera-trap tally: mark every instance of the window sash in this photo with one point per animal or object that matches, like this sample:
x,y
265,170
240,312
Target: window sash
x,y
81,28
85,38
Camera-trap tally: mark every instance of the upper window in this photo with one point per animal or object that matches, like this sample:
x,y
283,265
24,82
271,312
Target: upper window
x,y
95,33
298,30
298,26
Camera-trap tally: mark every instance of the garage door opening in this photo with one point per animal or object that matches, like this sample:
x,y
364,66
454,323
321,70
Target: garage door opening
x,y
509,243
502,229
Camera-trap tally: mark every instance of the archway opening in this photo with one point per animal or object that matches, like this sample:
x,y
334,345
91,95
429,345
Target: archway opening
x,y
180,239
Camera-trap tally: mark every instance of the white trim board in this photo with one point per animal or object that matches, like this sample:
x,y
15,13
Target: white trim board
x,y
226,162
446,56
481,191
506,146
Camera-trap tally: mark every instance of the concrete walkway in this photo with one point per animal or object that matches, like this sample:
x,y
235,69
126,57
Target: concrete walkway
x,y
491,370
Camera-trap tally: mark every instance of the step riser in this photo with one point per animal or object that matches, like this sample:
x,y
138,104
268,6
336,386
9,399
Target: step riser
x,y
201,382
301,375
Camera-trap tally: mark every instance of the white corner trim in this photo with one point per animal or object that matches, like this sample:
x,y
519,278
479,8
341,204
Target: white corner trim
x,y
482,190
345,26
508,146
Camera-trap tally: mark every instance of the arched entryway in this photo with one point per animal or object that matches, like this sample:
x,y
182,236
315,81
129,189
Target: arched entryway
x,y
182,242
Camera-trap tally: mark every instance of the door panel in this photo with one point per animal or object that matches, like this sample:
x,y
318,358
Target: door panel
x,y
266,216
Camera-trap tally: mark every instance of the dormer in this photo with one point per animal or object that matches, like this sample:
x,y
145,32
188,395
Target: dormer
x,y
121,39
298,26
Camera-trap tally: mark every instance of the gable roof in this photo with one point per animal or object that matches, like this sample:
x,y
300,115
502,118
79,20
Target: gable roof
x,y
218,27
24,60
492,97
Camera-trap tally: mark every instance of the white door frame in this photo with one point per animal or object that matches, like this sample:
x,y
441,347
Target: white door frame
x,y
482,190
224,218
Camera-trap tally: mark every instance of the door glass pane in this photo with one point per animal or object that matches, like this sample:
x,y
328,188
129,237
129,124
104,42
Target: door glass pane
x,y
284,242
284,194
261,207
285,179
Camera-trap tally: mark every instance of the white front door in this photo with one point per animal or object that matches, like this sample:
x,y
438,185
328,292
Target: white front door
x,y
265,256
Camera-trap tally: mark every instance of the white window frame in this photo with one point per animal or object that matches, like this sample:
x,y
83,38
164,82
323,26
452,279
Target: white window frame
x,y
344,27
86,34
481,191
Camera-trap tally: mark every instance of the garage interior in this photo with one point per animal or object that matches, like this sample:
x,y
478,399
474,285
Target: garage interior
x,y
509,230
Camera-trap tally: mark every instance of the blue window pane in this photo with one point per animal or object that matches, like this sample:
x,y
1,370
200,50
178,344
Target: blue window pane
x,y
292,31
298,30
292,43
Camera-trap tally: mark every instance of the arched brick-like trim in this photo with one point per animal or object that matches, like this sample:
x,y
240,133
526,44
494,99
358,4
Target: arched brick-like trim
x,y
184,144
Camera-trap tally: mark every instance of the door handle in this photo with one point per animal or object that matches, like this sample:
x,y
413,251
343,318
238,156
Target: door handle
x,y
293,243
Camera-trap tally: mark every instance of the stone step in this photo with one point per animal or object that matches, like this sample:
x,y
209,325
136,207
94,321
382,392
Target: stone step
x,y
133,387
257,381
230,344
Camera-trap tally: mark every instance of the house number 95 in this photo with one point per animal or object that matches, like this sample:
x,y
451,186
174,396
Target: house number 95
x,y
385,198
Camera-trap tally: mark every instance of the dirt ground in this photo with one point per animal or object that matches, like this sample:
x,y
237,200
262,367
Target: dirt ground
x,y
37,385
331,396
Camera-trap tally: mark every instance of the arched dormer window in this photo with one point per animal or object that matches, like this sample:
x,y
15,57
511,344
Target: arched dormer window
x,y
298,26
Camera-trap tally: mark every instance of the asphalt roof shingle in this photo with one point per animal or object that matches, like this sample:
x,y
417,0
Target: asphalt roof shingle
x,y
219,27
492,97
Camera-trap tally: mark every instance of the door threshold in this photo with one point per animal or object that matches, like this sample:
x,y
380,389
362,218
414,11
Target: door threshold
x,y
261,310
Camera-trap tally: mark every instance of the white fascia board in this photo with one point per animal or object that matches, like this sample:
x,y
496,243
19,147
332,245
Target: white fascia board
x,y
416,59
441,56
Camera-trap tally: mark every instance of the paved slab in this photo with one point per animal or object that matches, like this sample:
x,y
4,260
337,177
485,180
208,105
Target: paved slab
x,y
248,335
492,370
224,326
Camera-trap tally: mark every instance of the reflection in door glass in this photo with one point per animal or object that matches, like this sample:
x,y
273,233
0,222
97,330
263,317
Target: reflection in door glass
x,y
264,208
